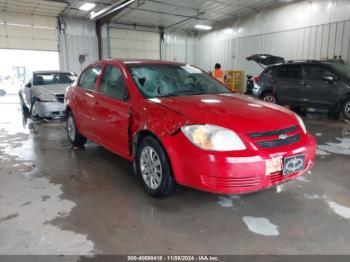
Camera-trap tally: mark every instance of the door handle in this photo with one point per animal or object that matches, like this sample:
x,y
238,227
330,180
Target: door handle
x,y
273,82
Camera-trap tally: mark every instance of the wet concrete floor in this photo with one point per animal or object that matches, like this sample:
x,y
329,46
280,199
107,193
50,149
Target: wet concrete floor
x,y
55,199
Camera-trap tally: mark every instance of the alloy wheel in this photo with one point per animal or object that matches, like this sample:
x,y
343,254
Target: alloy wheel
x,y
347,109
151,167
71,128
270,99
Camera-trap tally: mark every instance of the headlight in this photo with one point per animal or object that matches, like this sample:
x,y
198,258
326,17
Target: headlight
x,y
46,97
301,123
210,137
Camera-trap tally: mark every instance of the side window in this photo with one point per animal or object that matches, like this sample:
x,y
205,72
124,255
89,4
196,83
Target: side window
x,y
287,71
89,77
113,84
271,71
316,73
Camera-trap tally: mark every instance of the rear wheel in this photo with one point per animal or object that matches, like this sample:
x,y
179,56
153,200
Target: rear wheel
x,y
269,97
346,109
74,136
153,167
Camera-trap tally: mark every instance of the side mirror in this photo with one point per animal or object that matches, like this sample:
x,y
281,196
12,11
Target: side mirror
x,y
28,85
329,79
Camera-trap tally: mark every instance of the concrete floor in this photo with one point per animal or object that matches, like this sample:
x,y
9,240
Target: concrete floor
x,y
58,200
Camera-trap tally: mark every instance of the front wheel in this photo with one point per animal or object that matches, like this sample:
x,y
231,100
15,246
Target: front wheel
x,y
74,136
153,167
346,109
269,97
23,106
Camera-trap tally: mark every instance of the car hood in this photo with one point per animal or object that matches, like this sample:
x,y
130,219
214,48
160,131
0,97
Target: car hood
x,y
50,89
236,112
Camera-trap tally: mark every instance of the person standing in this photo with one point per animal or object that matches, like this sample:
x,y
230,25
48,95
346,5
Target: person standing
x,y
219,74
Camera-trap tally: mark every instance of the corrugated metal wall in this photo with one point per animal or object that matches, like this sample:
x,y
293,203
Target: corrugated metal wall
x,y
298,31
130,44
316,42
179,46
79,38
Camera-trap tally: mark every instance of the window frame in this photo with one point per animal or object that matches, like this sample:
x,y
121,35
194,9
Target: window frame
x,y
286,66
97,79
127,97
304,75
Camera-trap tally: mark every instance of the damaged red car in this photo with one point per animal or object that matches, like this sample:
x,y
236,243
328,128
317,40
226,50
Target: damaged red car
x,y
180,126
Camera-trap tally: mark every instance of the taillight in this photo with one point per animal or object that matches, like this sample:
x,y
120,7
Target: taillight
x,y
256,78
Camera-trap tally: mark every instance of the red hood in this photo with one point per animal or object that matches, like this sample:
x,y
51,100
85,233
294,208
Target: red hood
x,y
236,112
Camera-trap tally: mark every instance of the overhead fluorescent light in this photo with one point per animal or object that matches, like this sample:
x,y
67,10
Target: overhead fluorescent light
x,y
87,6
203,27
119,5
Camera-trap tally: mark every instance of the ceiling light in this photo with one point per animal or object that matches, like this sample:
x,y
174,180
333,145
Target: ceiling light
x,y
203,27
87,6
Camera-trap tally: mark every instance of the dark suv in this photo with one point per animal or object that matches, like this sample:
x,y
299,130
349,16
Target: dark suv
x,y
306,83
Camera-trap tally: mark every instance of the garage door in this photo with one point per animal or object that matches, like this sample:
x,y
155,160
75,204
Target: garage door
x,y
132,44
25,31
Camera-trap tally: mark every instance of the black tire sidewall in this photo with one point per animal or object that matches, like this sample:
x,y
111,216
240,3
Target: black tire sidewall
x,y
166,186
70,115
345,116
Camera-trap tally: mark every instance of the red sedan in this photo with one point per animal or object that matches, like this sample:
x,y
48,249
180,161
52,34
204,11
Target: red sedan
x,y
180,126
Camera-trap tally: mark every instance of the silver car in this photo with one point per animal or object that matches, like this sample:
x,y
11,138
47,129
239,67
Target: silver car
x,y
43,93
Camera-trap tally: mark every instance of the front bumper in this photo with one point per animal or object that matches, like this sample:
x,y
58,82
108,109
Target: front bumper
x,y
230,172
50,109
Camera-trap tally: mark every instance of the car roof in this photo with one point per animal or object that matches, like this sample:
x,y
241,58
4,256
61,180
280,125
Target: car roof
x,y
51,72
298,62
138,61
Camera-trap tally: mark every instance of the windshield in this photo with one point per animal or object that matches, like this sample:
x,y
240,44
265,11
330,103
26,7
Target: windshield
x,y
173,80
53,78
341,68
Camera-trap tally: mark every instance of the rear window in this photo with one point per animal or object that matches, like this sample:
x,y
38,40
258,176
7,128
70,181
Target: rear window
x,y
286,71
53,78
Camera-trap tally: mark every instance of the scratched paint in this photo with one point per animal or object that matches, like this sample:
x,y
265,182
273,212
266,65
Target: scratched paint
x,y
261,226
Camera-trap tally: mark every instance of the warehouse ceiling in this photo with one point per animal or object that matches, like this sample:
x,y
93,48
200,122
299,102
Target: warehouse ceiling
x,y
182,14
34,7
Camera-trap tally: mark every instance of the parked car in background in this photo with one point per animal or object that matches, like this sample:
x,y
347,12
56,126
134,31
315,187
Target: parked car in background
x,y
44,91
180,126
306,83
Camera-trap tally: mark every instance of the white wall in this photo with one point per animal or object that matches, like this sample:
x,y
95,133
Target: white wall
x,y
300,30
78,38
179,46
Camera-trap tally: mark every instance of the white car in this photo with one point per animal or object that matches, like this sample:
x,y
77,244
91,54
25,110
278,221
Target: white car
x,y
44,91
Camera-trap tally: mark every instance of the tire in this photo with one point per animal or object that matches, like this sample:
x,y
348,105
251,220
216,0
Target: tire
x,y
33,110
153,168
345,109
269,97
75,138
23,106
